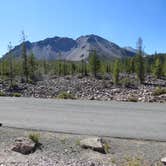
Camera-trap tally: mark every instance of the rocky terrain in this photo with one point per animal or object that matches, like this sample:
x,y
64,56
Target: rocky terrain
x,y
89,88
65,150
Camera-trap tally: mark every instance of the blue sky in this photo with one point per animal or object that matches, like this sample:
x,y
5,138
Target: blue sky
x,y
120,21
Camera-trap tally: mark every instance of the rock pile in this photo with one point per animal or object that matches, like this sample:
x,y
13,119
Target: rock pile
x,y
90,88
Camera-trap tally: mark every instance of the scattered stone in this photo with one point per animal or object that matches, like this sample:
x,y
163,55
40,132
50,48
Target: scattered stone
x,y
95,144
24,146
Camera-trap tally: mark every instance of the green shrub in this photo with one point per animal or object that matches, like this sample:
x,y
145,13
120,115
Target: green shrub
x,y
79,76
133,162
17,94
127,82
2,94
65,95
78,142
30,82
63,140
107,147
159,91
34,137
133,99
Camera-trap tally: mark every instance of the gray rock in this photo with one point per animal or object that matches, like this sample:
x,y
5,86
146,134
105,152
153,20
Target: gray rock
x,y
163,160
95,144
24,146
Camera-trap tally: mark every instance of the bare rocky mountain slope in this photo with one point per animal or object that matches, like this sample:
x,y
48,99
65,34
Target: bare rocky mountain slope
x,y
73,50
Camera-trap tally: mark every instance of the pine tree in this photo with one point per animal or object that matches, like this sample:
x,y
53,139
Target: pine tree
x,y
85,69
3,67
126,65
116,72
64,67
132,68
1,73
25,59
140,68
94,63
157,69
60,64
45,66
32,66
11,74
164,69
108,68
103,69
73,68
82,67
140,62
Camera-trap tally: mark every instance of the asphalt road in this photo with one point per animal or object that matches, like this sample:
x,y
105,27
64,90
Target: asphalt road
x,y
114,119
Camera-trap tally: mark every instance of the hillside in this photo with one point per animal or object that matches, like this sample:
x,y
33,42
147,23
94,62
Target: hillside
x,y
74,50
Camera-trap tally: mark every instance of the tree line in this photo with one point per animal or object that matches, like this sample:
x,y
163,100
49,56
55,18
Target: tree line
x,y
29,69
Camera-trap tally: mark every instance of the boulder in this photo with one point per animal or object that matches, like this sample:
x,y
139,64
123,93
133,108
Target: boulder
x,y
95,144
24,146
163,160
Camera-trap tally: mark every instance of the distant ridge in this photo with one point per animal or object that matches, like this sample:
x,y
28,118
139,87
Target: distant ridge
x,y
74,50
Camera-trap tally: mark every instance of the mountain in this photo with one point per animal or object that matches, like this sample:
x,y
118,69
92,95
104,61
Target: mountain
x,y
131,49
135,51
74,50
104,48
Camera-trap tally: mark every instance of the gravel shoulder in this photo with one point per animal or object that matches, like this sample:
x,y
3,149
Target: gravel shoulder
x,y
63,149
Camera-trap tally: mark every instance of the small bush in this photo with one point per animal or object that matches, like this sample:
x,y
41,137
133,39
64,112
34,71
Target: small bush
x,y
133,162
14,86
63,140
78,142
126,82
79,76
30,82
65,95
2,94
17,94
159,91
107,147
35,138
132,99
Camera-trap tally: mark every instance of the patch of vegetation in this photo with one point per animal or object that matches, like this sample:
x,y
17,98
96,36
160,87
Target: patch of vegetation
x,y
133,162
78,142
107,147
133,99
65,95
35,137
79,76
30,82
2,94
63,140
127,83
17,94
113,161
159,91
